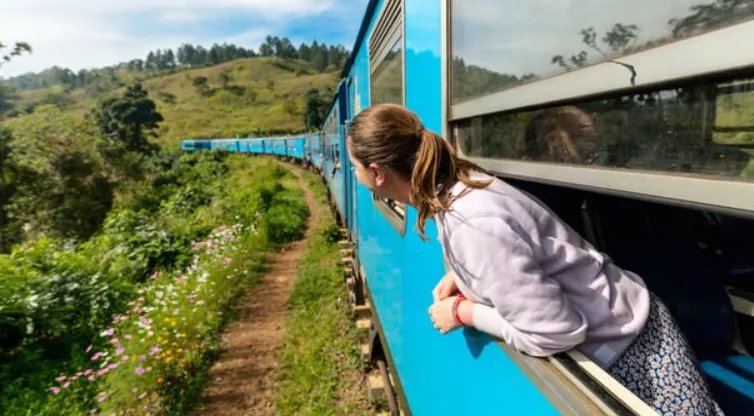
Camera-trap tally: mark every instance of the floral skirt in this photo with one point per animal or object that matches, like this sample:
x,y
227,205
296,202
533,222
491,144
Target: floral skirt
x,y
660,368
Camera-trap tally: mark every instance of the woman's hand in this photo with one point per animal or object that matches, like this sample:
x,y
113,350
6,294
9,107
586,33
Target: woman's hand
x,y
441,314
445,288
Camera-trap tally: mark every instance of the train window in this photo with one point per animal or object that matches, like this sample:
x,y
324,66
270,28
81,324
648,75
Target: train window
x,y
697,130
496,46
387,83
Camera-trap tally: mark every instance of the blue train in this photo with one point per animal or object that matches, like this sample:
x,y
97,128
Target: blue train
x,y
639,134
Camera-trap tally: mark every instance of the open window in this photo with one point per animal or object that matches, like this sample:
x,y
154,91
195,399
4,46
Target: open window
x,y
387,83
589,110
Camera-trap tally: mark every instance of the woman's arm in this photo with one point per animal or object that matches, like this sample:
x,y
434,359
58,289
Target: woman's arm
x,y
529,312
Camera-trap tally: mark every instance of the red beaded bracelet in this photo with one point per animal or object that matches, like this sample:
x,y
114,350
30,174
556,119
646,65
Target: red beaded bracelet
x,y
457,302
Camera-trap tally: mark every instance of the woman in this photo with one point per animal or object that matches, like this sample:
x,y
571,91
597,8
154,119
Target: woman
x,y
523,274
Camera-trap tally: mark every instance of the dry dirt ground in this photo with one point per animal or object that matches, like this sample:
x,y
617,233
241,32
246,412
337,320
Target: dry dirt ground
x,y
241,381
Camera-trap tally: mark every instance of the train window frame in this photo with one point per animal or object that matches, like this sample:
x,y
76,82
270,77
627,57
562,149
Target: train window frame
x,y
700,53
703,60
387,33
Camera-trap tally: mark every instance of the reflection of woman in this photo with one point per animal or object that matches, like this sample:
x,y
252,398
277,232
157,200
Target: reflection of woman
x,y
562,134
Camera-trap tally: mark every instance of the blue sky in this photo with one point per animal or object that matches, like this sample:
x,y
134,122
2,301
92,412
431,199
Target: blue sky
x,y
92,33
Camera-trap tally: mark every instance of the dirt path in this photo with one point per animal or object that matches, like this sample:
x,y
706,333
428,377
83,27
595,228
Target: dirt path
x,y
240,381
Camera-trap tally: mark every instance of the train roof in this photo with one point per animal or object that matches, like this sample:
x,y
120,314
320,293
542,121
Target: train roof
x,y
366,19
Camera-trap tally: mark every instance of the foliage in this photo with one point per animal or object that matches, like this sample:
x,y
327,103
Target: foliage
x,y
8,232
245,107
63,188
167,61
167,273
317,105
130,119
286,219
8,97
17,50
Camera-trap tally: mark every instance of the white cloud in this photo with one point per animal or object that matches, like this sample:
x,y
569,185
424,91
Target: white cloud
x,y
92,33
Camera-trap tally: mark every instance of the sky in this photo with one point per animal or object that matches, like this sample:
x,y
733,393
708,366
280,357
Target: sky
x,y
515,37
79,34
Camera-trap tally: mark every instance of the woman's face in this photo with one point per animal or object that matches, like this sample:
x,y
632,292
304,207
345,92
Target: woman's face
x,y
374,177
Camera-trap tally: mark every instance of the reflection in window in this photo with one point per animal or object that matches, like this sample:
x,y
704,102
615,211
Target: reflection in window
x,y
498,44
703,129
387,78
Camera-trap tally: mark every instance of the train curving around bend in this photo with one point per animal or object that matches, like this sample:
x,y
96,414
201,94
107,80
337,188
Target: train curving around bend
x,y
634,121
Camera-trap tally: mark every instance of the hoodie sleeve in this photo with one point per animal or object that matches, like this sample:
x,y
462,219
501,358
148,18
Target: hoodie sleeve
x,y
529,311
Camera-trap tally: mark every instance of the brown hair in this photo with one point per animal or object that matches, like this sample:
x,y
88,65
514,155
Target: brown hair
x,y
560,134
394,137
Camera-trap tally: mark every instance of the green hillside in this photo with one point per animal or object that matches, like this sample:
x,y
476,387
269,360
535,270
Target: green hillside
x,y
254,95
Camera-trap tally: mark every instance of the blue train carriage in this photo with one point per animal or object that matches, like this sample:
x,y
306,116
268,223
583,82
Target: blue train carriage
x,y
312,149
333,167
253,146
190,145
653,166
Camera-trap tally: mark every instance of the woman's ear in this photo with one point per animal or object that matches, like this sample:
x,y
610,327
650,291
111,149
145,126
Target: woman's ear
x,y
378,174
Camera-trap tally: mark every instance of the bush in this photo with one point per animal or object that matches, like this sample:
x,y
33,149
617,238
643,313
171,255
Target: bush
x,y
286,219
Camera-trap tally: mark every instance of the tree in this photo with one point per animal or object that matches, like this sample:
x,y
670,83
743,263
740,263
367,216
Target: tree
x,y
61,187
9,233
151,61
304,52
7,96
200,83
17,50
169,57
130,119
225,78
319,59
710,15
315,109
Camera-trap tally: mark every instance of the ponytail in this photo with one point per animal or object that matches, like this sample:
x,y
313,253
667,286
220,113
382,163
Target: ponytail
x,y
437,164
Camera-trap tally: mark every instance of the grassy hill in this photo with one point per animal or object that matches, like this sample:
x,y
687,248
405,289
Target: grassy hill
x,y
239,97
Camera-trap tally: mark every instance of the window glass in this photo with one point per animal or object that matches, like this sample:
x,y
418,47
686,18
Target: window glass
x,y
703,129
502,43
387,78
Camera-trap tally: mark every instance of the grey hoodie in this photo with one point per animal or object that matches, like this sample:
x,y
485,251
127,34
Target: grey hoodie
x,y
539,286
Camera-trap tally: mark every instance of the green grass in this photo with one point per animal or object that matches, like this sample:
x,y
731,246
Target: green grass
x,y
320,364
264,94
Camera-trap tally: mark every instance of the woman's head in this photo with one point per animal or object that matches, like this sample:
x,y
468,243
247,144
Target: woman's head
x,y
561,134
397,158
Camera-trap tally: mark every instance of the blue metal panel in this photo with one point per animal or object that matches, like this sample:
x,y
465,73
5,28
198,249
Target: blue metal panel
x,y
402,271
